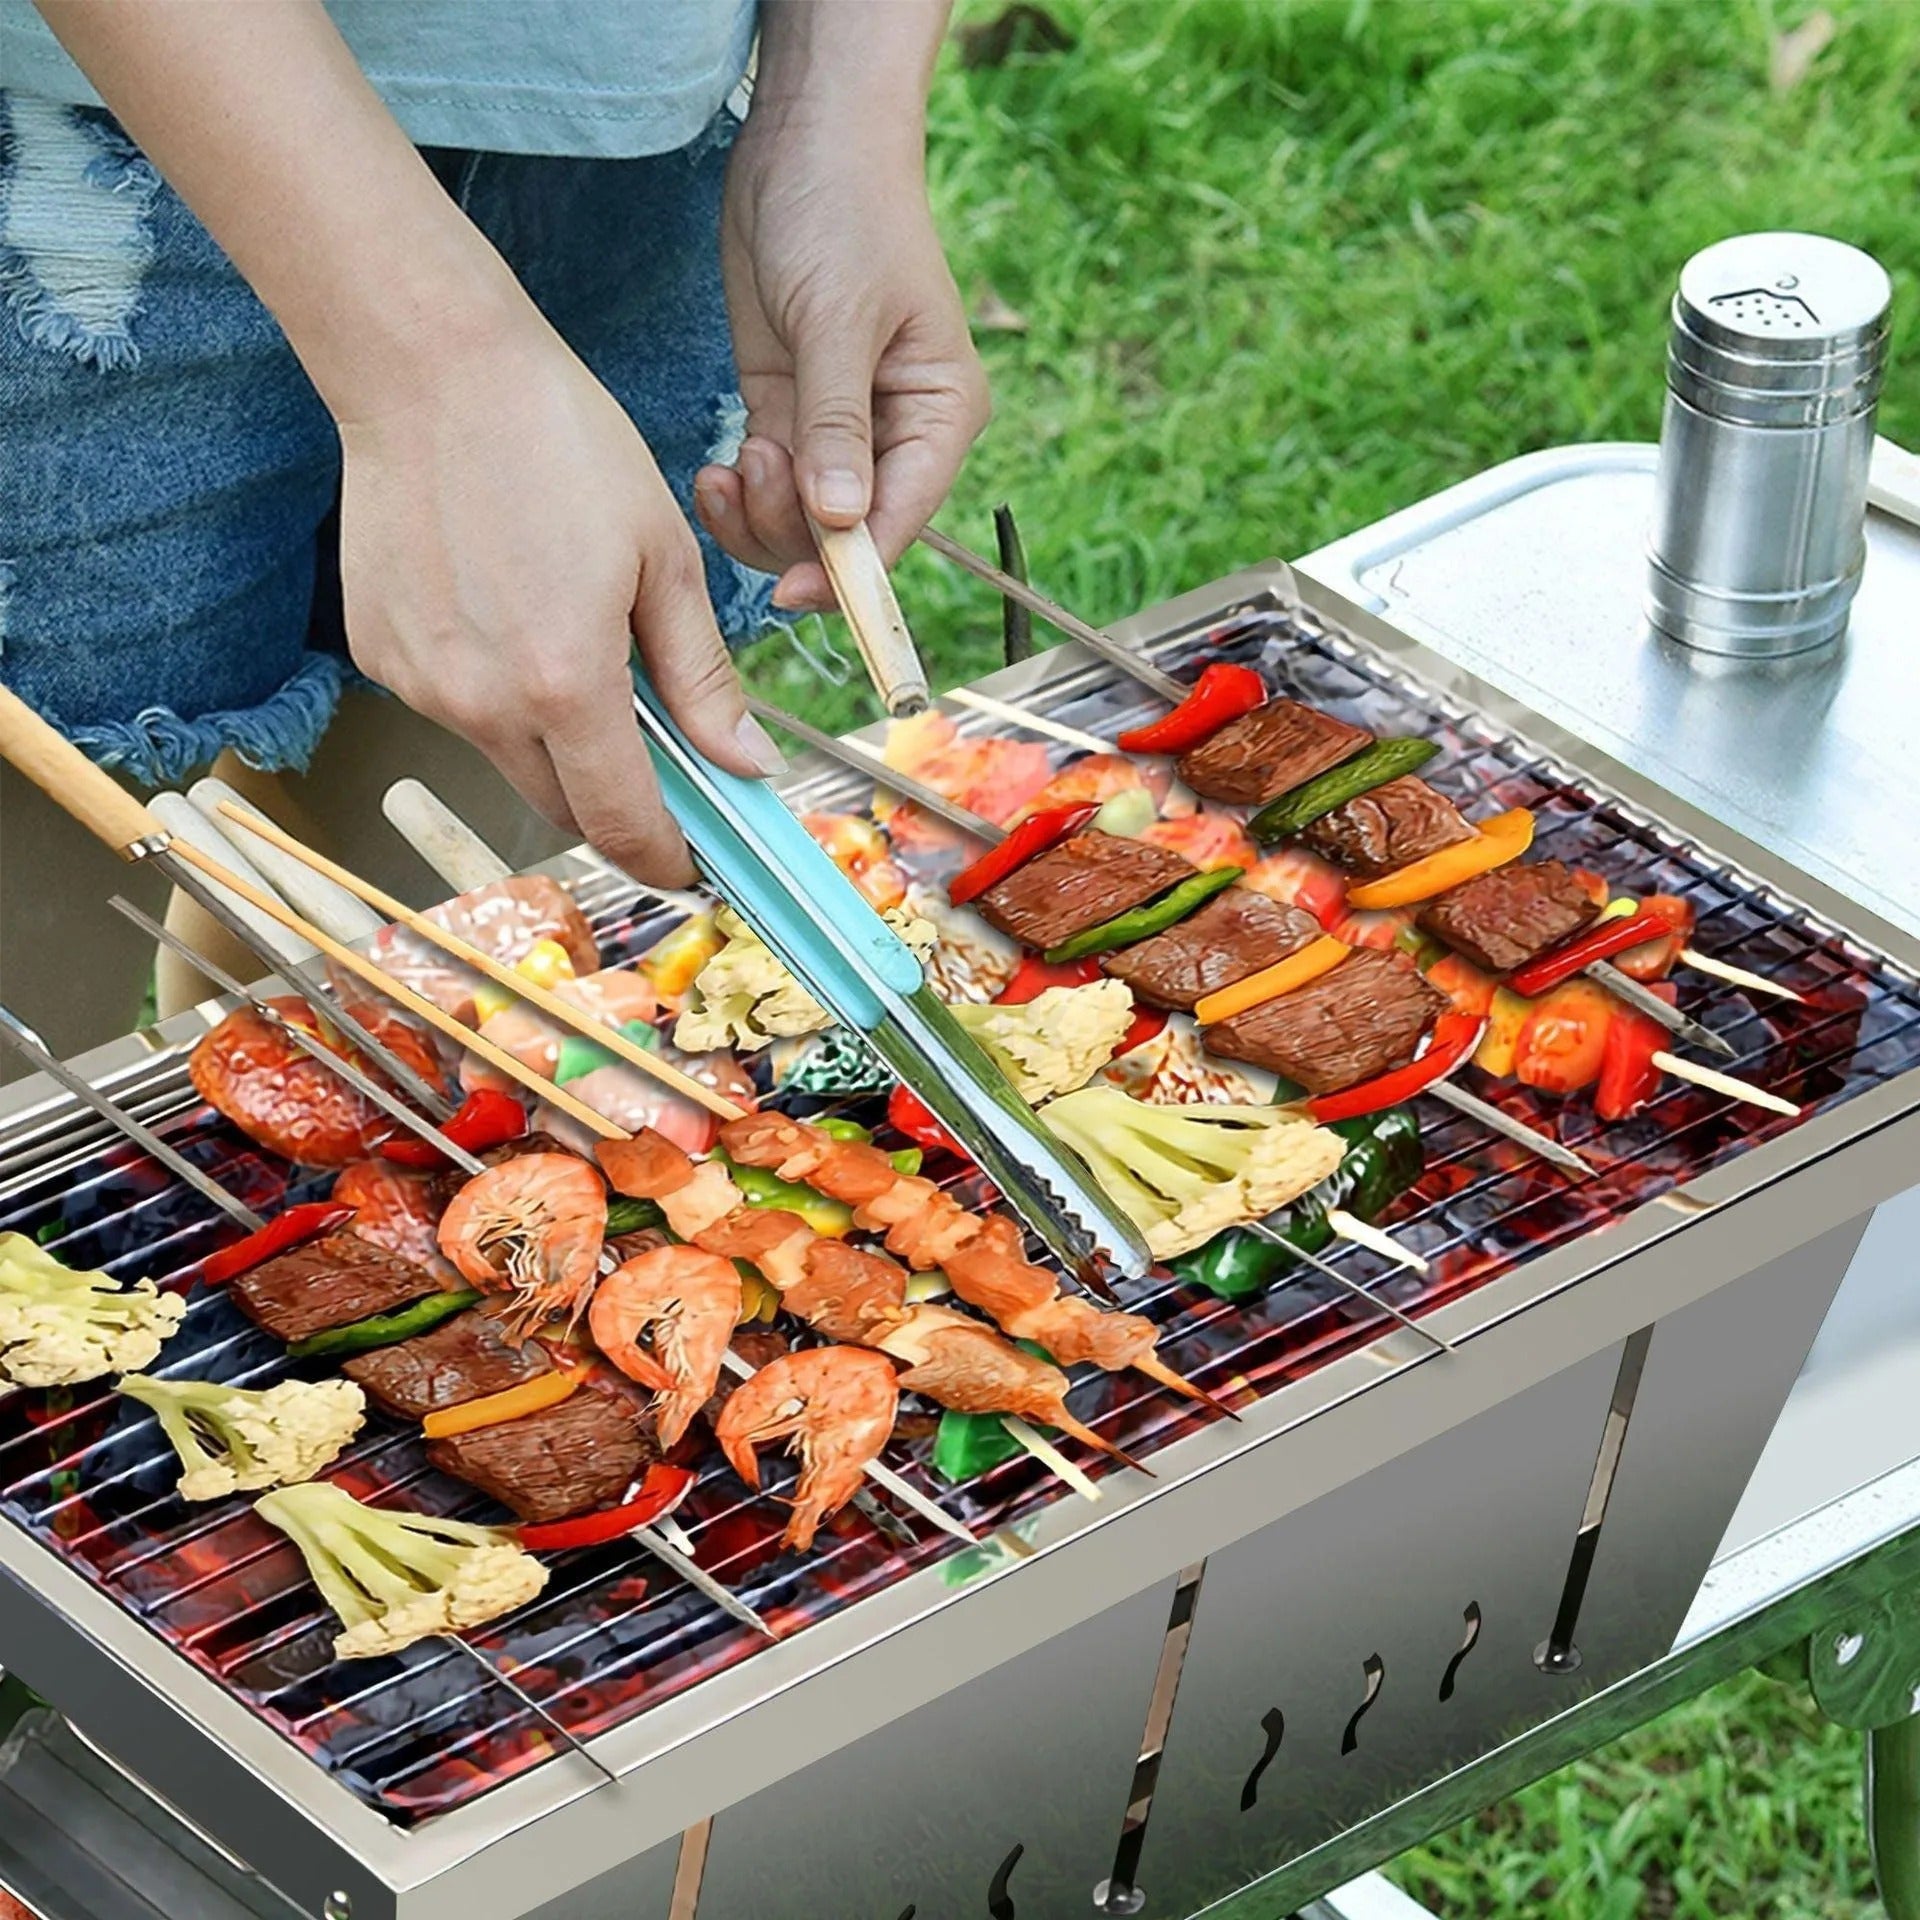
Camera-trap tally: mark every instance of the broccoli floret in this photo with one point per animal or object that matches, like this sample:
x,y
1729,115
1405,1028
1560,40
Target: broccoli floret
x,y
59,1328
233,1440
1058,1040
1184,1174
744,997
394,1578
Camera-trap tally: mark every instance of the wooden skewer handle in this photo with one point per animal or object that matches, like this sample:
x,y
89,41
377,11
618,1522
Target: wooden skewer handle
x,y
872,608
65,775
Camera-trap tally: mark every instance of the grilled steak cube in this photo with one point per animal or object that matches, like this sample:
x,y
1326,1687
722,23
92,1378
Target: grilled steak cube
x,y
1500,920
1268,752
1236,933
330,1282
758,1347
465,1358
1079,884
573,1458
1399,822
1363,1019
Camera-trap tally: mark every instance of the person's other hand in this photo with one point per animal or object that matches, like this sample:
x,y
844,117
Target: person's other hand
x,y
505,538
862,386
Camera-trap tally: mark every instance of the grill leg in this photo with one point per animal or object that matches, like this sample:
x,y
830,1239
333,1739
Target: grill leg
x,y
1893,1816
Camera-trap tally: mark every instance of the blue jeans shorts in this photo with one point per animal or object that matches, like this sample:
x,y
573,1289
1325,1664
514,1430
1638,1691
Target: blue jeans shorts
x,y
168,476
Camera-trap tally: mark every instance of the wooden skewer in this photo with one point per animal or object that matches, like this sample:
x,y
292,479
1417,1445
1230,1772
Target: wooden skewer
x,y
1738,976
384,983
1363,1233
1050,1457
1717,1082
867,598
1157,1369
549,1002
1031,722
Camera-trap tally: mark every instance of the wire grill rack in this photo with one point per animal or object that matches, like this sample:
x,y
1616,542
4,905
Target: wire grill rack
x,y
91,1477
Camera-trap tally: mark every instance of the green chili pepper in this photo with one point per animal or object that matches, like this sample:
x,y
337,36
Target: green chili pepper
x,y
1383,1159
908,1161
578,1055
970,1444
384,1329
761,1188
1372,767
626,1215
1142,923
846,1130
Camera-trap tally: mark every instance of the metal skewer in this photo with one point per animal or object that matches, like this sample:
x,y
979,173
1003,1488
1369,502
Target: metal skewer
x,y
1261,1230
429,1098
1108,648
570,1740
362,1083
1644,1000
881,1476
15,1033
863,759
662,1550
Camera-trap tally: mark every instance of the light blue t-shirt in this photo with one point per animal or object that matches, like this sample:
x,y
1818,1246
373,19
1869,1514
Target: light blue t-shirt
x,y
602,78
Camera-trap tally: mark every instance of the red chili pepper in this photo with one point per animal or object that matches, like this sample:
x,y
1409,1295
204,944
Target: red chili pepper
x,y
1573,956
488,1118
293,1228
1628,1077
1455,1035
1224,692
660,1492
911,1115
1033,836
1034,976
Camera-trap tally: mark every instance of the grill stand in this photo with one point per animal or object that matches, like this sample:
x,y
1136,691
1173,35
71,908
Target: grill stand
x,y
1009,1779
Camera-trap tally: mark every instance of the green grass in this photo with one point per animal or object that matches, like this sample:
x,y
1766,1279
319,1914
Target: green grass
x,y
1284,268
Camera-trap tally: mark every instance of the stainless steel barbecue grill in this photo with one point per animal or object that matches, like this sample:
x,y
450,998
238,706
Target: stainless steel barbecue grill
x,y
1397,1561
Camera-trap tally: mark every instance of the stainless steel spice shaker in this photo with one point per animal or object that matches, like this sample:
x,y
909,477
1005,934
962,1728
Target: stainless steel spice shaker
x,y
1773,375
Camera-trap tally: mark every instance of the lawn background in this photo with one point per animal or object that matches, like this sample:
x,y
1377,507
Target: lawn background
x,y
1248,274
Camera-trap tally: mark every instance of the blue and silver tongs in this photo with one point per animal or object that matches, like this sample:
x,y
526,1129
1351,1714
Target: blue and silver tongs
x,y
767,867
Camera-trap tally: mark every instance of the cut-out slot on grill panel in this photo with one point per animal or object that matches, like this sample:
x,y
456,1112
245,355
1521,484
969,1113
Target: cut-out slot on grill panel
x,y
1375,1670
413,1739
1473,1621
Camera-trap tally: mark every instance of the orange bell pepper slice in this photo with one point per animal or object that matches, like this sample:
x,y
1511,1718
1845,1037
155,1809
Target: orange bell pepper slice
x,y
1284,976
495,1409
1505,837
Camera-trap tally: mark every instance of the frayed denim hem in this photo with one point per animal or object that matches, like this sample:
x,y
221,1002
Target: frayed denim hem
x,y
158,748
743,607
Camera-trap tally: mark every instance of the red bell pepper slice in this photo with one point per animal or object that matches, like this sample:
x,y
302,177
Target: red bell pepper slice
x,y
1628,1077
293,1228
1573,956
907,1113
660,1492
488,1118
1455,1035
1024,842
1034,976
1224,692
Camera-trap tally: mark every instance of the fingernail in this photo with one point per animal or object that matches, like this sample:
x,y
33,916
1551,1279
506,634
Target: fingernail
x,y
840,491
756,744
752,462
713,500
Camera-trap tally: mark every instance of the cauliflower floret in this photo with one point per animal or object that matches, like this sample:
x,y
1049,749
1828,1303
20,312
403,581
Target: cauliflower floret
x,y
235,1440
60,1328
1056,1041
1184,1174
394,1578
744,996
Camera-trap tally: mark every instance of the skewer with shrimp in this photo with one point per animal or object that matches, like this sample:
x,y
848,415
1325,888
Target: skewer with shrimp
x,y
983,1258
842,1292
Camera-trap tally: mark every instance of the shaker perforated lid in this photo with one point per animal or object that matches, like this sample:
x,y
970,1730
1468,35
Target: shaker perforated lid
x,y
1780,329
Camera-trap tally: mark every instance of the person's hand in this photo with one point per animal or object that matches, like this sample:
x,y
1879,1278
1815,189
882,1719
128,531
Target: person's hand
x,y
863,390
504,538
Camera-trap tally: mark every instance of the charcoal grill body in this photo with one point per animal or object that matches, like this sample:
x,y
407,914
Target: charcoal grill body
x,y
1394,1598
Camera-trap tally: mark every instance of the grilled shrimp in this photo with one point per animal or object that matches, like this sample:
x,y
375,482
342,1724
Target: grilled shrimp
x,y
531,1227
835,1405
690,1303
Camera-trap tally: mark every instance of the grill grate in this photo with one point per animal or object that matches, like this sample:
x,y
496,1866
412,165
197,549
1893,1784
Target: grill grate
x,y
428,1731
